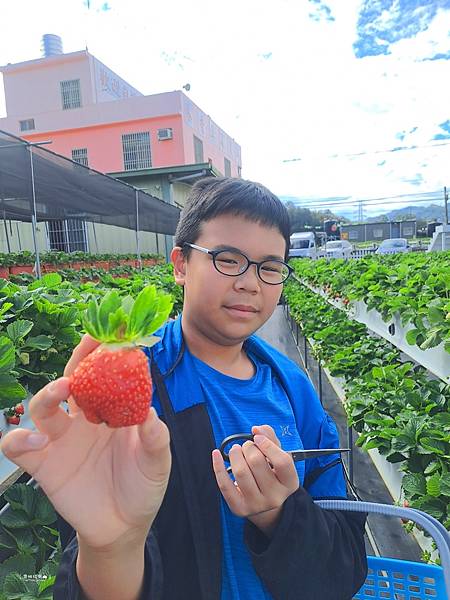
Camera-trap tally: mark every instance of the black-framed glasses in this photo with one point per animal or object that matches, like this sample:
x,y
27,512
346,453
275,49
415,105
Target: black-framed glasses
x,y
233,263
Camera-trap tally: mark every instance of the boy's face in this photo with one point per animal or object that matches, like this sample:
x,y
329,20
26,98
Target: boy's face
x,y
227,309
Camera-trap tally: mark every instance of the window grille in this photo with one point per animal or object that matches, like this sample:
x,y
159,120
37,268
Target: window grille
x,y
80,156
70,94
68,235
198,150
136,151
227,168
27,125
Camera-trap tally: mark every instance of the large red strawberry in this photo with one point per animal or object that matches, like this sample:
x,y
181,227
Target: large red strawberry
x,y
19,409
112,385
14,420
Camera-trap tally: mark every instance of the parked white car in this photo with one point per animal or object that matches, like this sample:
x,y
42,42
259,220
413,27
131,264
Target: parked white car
x,y
338,249
393,246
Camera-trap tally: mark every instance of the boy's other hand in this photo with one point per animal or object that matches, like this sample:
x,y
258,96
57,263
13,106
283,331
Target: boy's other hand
x,y
265,475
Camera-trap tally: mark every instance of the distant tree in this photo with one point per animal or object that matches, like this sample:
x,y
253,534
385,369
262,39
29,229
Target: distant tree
x,y
303,219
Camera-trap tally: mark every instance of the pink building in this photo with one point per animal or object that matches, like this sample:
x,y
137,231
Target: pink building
x,y
94,117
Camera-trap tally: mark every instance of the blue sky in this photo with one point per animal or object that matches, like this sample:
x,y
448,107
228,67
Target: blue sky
x,y
329,99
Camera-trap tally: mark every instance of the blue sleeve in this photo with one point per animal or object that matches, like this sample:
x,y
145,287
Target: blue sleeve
x,y
324,476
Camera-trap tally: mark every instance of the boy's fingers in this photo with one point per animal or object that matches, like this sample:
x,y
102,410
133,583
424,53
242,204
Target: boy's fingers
x,y
268,431
25,448
45,411
229,490
85,347
153,453
280,460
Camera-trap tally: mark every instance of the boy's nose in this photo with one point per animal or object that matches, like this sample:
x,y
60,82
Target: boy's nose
x,y
249,279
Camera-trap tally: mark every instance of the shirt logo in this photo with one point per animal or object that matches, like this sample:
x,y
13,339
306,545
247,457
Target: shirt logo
x,y
285,430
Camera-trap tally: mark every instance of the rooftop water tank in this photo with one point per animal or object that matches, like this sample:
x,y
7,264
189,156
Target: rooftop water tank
x,y
51,45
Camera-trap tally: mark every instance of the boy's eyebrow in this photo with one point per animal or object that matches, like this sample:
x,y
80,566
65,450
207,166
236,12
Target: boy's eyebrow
x,y
234,249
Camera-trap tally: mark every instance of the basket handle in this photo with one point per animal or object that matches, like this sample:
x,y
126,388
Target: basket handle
x,y
437,531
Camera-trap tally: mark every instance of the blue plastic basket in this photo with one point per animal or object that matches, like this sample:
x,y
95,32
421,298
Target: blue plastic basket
x,y
393,579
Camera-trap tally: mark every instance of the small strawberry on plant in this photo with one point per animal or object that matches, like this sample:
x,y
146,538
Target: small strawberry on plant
x,y
19,409
13,420
113,385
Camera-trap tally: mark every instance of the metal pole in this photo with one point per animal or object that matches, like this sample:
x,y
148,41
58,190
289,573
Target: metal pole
x,y
6,232
296,333
18,237
350,454
306,353
138,249
446,208
34,216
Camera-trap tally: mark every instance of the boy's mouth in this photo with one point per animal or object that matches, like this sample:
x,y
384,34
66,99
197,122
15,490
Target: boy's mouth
x,y
243,308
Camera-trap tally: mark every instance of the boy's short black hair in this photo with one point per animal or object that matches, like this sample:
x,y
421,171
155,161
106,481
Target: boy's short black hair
x,y
211,197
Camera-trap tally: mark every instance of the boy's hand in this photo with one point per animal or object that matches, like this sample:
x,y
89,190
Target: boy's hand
x,y
260,488
107,483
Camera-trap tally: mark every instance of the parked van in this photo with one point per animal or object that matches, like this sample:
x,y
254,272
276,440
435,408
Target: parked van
x,y
303,245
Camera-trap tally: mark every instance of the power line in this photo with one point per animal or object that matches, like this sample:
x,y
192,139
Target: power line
x,y
367,153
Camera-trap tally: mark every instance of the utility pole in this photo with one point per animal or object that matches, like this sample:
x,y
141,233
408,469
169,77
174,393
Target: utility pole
x,y
446,205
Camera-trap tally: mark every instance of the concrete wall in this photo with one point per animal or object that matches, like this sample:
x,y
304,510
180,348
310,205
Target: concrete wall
x,y
107,238
21,236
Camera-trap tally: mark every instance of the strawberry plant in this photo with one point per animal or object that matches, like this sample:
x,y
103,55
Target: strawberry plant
x,y
395,407
29,544
416,287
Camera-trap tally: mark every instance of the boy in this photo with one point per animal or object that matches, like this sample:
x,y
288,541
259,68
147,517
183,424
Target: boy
x,y
155,521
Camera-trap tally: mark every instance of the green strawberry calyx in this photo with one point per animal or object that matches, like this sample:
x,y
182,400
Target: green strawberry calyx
x,y
125,321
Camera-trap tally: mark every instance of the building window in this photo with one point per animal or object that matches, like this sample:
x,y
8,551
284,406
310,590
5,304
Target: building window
x,y
198,150
68,235
27,125
136,151
70,94
227,168
80,156
239,171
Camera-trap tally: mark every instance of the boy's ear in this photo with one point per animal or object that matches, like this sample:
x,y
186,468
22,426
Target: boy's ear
x,y
179,265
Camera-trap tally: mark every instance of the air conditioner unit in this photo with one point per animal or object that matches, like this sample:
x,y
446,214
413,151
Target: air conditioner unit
x,y
165,134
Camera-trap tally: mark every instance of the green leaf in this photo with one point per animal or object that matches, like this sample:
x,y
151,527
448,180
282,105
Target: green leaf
x,y
22,497
39,342
144,309
414,483
17,564
18,330
444,484
6,540
14,519
435,316
109,304
435,446
433,339
45,513
7,355
11,389
433,487
44,586
411,336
